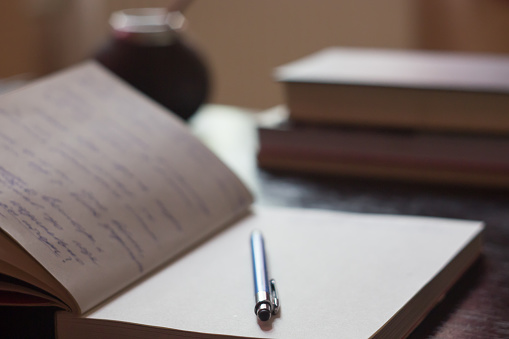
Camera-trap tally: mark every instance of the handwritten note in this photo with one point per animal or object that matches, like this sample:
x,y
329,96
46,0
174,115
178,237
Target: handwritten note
x,y
101,185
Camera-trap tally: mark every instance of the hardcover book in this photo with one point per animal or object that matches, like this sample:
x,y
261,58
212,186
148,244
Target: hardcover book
x,y
410,155
399,89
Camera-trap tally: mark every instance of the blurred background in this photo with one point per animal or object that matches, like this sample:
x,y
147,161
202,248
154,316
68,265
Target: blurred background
x,y
242,41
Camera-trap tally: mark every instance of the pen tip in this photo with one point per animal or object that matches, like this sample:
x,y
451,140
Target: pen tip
x,y
263,315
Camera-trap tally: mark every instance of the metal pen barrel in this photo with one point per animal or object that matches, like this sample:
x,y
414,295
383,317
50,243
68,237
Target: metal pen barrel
x,y
263,307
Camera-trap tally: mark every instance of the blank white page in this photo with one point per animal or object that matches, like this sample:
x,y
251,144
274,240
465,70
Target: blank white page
x,y
339,275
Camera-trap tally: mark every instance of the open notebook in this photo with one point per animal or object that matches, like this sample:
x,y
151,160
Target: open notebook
x,y
111,210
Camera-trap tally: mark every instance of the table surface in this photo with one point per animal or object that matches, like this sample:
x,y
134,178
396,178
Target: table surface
x,y
476,307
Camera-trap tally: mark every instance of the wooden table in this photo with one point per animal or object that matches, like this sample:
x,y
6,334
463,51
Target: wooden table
x,y
476,307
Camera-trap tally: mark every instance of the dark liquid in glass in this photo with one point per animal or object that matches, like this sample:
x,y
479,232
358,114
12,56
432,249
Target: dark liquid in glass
x,y
173,75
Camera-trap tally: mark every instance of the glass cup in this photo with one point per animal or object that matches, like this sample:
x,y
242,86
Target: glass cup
x,y
148,50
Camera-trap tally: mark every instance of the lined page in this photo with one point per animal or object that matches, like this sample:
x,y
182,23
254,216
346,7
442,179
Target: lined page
x,y
101,185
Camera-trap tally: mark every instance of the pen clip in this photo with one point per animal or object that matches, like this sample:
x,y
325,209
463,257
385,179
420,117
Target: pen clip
x,y
274,295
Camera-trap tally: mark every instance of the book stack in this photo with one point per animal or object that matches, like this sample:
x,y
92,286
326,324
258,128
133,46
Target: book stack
x,y
411,115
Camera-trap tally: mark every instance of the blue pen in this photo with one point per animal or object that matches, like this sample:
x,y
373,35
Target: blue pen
x,y
266,296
